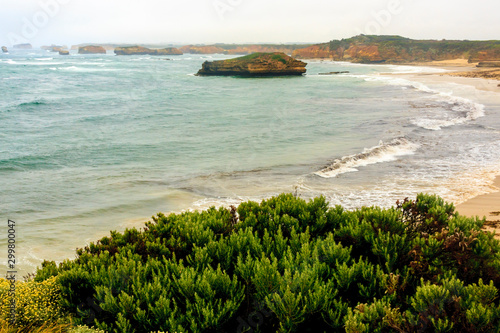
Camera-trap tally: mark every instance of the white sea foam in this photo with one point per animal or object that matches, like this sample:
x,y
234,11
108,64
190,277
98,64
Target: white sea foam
x,y
463,109
34,63
383,152
401,69
86,69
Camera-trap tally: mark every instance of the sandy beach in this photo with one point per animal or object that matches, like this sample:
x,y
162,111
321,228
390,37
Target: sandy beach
x,y
486,205
461,72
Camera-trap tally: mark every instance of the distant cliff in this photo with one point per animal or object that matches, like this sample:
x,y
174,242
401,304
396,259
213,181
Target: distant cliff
x,y
241,48
138,50
201,49
256,64
397,49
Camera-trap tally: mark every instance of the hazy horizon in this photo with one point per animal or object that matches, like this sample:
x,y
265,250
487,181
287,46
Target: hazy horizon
x,y
70,22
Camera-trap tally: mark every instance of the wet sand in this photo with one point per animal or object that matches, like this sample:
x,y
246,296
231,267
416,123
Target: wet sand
x,y
485,206
461,72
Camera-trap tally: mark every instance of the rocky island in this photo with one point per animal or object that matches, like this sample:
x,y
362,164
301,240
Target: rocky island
x,y
4,49
140,50
91,49
25,46
256,64
54,48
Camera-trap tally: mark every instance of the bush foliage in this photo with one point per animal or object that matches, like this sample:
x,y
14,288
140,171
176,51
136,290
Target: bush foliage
x,y
287,265
36,303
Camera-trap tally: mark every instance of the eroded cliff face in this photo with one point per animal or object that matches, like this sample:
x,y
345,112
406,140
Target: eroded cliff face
x,y
485,55
258,48
319,51
396,49
204,49
91,49
256,64
238,49
139,50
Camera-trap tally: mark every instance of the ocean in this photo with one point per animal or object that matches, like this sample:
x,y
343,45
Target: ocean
x,y
93,143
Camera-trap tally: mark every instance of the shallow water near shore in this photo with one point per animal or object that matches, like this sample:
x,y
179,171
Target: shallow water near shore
x,y
97,143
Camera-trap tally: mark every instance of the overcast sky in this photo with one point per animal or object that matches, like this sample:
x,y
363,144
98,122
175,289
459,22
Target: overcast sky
x,y
69,22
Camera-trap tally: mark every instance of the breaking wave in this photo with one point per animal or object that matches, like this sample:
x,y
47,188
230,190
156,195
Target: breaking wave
x,y
383,152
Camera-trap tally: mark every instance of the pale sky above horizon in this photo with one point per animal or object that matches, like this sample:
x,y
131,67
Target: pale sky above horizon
x,y
45,22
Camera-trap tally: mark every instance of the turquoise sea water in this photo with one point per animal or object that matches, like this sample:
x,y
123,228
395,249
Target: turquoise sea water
x,y
91,143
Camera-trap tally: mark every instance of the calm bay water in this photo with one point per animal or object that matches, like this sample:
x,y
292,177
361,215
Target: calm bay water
x,y
90,143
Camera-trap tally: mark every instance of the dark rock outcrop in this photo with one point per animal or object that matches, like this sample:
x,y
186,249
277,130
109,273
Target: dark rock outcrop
x,y
4,49
334,73
25,46
91,49
139,50
64,52
489,64
256,64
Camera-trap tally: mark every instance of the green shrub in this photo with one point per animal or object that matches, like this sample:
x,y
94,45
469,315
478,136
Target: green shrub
x,y
287,265
84,329
36,303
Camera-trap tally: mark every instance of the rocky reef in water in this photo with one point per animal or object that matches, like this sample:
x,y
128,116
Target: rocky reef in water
x,y
4,49
140,50
63,52
397,49
91,49
256,64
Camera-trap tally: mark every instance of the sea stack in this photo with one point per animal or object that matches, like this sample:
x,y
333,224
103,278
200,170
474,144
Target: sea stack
x,y
63,52
140,50
256,64
4,49
25,46
91,49
54,48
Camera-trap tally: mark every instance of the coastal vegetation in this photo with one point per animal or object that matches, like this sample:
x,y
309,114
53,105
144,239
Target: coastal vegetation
x,y
282,265
397,49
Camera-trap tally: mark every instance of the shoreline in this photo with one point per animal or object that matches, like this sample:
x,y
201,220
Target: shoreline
x,y
486,205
